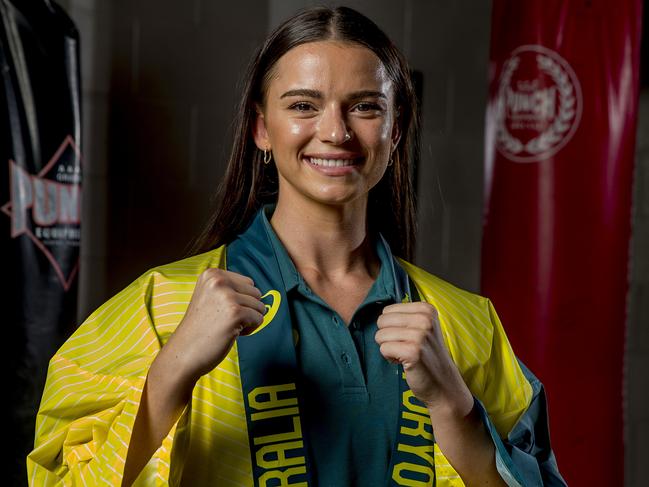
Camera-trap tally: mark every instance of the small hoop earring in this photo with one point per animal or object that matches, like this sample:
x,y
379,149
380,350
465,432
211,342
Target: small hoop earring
x,y
393,155
268,155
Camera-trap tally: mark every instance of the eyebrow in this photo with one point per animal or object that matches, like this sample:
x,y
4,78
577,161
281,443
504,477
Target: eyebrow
x,y
303,92
318,94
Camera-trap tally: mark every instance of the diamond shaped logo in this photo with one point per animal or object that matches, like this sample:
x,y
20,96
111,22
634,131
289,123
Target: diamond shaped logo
x,y
46,208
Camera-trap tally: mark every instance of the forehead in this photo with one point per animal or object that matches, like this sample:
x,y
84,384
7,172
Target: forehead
x,y
330,65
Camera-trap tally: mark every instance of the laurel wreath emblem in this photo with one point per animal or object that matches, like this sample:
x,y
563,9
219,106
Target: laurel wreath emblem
x,y
508,142
561,125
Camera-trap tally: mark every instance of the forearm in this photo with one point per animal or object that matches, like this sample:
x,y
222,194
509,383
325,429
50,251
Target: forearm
x,y
466,443
166,393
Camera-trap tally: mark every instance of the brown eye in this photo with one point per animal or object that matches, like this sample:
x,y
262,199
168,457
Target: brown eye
x,y
367,107
301,106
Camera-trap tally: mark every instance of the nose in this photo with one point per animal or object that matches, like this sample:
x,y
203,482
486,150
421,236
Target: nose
x,y
332,126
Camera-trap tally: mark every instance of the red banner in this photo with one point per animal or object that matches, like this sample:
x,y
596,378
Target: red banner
x,y
561,125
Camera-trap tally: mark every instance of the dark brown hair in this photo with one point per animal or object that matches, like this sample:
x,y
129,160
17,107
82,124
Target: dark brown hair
x,y
249,183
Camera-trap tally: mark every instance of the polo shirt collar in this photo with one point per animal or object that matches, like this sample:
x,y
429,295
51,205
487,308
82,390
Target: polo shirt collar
x,y
289,273
384,288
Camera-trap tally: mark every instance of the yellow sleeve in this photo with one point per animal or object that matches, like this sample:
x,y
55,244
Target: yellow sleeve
x,y
479,347
507,393
476,340
92,395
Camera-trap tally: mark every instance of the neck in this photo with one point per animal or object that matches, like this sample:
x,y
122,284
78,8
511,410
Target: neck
x,y
329,240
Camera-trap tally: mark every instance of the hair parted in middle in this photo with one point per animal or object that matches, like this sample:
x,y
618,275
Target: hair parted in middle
x,y
249,183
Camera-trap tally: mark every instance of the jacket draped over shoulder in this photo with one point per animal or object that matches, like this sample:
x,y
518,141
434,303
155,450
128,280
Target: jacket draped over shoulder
x,y
96,378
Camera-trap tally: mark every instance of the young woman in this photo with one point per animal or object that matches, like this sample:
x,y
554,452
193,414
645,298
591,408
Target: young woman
x,y
295,348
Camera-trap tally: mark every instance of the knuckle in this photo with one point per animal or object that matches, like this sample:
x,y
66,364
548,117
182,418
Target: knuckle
x,y
378,336
212,271
423,320
234,311
247,279
429,325
214,281
420,336
414,351
228,296
428,308
260,319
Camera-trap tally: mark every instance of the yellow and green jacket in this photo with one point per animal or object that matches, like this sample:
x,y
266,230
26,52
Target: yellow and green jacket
x,y
95,382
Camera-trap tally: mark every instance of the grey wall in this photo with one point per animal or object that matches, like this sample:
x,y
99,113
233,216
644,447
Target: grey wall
x,y
175,69
93,20
637,348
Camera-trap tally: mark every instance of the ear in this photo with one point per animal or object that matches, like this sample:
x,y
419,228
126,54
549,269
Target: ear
x,y
259,132
396,132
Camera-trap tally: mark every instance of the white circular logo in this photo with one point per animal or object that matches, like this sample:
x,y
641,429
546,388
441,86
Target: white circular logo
x,y
539,104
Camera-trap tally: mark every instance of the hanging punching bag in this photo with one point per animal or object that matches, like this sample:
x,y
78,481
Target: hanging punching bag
x,y
560,146
40,203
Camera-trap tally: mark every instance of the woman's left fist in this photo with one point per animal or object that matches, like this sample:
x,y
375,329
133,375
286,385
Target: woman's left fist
x,y
410,334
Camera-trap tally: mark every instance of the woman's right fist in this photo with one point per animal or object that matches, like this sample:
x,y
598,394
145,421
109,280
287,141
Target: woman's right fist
x,y
223,304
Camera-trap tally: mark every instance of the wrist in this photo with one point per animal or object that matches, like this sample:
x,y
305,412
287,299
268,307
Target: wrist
x,y
171,374
452,408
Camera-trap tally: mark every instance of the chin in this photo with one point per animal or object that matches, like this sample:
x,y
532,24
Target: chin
x,y
338,199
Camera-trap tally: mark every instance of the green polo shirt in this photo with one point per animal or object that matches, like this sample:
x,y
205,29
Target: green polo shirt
x,y
350,393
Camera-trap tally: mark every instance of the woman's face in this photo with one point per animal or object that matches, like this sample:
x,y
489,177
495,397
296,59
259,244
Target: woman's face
x,y
330,121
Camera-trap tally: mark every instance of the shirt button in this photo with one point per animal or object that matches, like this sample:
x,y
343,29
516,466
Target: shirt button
x,y
346,358
335,320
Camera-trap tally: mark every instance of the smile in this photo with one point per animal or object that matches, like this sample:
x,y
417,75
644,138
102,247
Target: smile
x,y
331,162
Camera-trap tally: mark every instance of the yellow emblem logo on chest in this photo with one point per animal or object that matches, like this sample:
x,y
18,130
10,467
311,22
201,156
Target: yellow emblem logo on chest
x,y
271,309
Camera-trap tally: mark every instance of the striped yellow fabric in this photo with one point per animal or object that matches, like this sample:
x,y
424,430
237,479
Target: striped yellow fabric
x,y
479,347
95,382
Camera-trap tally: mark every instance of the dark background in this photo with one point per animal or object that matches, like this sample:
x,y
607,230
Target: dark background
x,y
160,81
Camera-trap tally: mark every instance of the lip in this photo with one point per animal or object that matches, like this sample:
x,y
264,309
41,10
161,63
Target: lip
x,y
333,171
334,155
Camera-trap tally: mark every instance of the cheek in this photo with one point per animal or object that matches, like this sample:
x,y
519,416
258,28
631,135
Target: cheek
x,y
288,132
377,135
296,128
386,130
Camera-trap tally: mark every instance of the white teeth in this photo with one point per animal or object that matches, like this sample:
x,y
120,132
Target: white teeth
x,y
331,162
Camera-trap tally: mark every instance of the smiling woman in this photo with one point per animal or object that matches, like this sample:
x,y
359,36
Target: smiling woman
x,y
249,183
297,347
329,117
